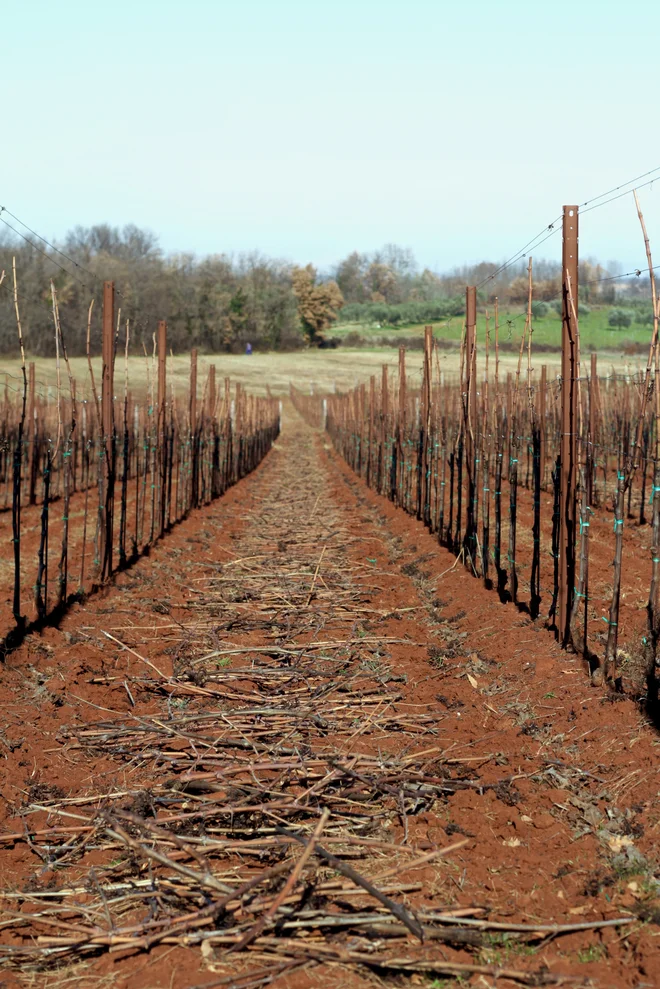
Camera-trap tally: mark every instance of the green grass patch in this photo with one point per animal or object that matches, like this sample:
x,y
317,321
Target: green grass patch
x,y
594,953
595,332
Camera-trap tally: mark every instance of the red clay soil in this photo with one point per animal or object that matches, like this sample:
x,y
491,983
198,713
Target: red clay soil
x,y
553,782
635,580
82,573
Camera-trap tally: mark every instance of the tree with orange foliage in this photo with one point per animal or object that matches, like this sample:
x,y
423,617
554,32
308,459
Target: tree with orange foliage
x,y
318,305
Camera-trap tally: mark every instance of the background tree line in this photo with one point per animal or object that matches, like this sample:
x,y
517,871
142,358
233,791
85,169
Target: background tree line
x,y
221,303
217,303
388,288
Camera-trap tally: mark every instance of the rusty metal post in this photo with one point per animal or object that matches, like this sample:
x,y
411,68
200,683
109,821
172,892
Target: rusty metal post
x,y
108,425
568,444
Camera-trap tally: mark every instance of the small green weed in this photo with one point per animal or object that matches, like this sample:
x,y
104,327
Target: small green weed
x,y
594,953
436,657
498,948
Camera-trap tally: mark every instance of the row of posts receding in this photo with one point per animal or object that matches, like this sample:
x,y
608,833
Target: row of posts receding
x,y
444,454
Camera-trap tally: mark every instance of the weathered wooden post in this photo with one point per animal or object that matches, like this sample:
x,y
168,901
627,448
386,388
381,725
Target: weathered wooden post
x,y
108,426
470,414
568,441
162,420
194,441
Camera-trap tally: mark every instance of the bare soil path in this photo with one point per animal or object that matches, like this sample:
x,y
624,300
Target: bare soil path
x,y
298,729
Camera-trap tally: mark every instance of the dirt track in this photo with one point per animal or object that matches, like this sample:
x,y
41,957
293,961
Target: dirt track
x,y
306,645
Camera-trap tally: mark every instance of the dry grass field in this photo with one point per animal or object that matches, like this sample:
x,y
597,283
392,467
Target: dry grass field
x,y
320,370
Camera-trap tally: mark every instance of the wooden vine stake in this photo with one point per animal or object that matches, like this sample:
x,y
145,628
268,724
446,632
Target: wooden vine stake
x,y
535,581
106,514
194,433
485,456
624,480
653,607
384,426
568,441
125,458
514,441
18,459
162,421
32,435
424,498
67,451
471,423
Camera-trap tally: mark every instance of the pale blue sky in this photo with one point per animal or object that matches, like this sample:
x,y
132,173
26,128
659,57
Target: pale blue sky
x,y
306,130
